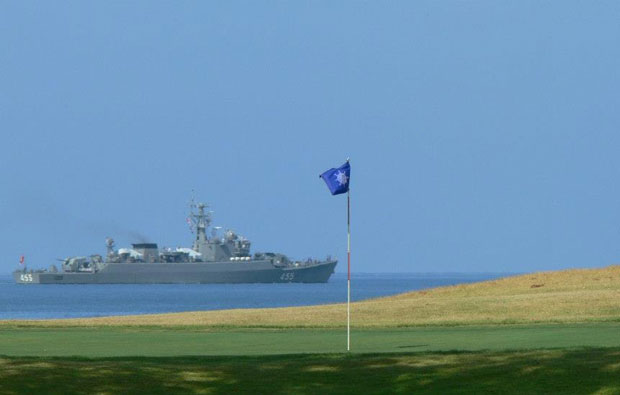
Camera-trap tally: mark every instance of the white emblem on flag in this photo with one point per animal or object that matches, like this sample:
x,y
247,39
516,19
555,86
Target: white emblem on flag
x,y
342,178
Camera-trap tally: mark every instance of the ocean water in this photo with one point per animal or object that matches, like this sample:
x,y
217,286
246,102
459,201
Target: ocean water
x,y
88,300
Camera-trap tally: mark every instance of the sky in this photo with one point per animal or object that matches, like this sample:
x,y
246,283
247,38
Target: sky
x,y
483,135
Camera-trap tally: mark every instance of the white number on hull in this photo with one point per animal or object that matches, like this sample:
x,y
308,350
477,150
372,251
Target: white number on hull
x,y
288,276
26,278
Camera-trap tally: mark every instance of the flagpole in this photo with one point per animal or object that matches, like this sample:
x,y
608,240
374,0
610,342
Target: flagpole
x,y
349,270
340,184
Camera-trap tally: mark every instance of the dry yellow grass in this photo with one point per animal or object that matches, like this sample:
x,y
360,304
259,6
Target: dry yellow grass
x,y
578,295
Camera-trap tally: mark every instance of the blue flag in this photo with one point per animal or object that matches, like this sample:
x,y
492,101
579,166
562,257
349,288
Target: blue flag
x,y
337,180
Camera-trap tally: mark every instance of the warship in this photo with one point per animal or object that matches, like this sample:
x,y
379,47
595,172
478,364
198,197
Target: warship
x,y
211,259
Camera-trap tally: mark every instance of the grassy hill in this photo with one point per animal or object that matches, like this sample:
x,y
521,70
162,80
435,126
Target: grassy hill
x,y
569,296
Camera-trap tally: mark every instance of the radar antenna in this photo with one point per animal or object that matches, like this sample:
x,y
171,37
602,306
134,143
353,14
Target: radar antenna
x,y
192,217
201,221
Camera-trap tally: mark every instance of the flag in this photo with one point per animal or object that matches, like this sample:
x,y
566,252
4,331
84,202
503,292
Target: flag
x,y
21,259
338,179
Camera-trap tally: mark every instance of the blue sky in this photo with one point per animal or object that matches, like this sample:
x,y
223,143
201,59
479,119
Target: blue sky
x,y
483,135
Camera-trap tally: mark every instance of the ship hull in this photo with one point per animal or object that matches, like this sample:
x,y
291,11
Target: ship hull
x,y
186,273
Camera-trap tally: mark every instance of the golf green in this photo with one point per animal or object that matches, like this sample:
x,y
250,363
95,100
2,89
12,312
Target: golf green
x,y
158,342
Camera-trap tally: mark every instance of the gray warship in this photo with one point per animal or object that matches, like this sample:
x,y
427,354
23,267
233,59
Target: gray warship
x,y
214,259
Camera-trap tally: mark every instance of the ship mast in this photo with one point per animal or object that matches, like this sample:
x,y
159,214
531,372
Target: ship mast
x,y
202,221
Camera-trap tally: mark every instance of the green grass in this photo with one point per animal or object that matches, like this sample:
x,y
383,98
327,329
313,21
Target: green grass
x,y
580,358
526,372
117,341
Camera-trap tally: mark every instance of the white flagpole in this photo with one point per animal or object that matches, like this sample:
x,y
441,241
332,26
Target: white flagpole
x,y
348,270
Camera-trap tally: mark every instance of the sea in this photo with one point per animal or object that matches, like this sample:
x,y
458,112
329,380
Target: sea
x,y
18,301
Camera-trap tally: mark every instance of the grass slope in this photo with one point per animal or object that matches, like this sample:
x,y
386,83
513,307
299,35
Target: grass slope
x,y
569,296
545,371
